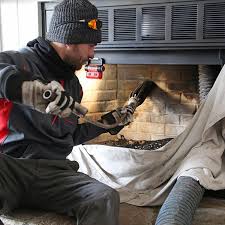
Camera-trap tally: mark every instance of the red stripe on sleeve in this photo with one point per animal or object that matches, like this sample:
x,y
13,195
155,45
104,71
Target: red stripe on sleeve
x,y
5,109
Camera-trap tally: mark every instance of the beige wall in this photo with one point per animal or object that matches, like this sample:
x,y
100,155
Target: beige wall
x,y
165,114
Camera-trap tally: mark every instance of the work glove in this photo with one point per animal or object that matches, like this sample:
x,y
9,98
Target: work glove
x,y
32,95
121,116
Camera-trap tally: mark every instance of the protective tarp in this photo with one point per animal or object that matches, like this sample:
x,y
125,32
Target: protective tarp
x,y
145,177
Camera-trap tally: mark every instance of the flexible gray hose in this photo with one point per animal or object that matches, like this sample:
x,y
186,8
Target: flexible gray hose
x,y
181,203
206,76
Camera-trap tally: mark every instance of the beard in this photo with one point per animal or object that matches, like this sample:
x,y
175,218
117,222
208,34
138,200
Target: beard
x,y
77,67
74,65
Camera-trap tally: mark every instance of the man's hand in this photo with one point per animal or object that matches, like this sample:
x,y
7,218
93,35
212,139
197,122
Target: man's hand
x,y
122,116
32,95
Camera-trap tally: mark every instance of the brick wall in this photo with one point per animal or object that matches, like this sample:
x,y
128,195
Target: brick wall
x,y
165,114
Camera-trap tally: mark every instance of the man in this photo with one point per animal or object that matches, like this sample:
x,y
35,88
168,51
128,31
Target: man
x,y
36,136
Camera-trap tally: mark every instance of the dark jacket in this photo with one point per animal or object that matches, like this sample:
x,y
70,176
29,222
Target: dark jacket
x,y
27,133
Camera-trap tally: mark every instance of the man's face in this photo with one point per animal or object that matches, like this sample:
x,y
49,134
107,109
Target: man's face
x,y
77,55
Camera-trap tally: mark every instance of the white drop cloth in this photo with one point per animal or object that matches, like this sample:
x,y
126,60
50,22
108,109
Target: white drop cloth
x,y
145,177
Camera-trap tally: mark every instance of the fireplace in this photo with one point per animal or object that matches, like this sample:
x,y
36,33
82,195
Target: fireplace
x,y
179,44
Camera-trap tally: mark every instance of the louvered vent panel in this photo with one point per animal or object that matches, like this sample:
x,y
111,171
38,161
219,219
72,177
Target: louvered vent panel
x,y
153,23
214,20
103,16
184,22
125,24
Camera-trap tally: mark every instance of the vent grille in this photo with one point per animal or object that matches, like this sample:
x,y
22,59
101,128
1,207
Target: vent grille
x,y
163,24
125,24
103,16
153,23
214,20
184,22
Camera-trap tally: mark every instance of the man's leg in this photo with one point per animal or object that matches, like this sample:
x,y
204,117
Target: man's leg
x,y
15,177
61,189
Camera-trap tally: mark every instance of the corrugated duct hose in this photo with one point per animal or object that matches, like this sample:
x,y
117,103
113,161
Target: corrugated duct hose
x,y
181,203
206,76
180,206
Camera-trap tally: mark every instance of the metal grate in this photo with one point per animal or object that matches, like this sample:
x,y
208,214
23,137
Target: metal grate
x,y
153,23
103,16
214,20
184,22
125,24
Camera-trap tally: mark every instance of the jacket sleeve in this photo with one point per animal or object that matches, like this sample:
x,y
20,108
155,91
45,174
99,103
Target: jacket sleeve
x,y
86,132
11,76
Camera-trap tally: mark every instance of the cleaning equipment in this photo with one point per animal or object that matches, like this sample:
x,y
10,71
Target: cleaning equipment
x,y
109,120
181,203
136,98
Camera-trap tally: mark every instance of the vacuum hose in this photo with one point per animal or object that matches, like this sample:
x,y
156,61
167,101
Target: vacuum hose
x,y
180,205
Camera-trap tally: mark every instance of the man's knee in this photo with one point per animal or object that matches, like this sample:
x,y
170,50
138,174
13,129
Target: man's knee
x,y
108,205
104,210
106,193
112,195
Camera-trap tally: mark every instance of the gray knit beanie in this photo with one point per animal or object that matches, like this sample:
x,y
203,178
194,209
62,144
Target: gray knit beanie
x,y
66,25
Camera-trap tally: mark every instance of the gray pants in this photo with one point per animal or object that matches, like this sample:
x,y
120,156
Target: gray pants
x,y
55,185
